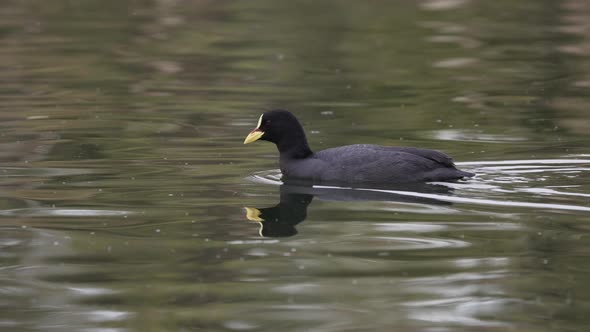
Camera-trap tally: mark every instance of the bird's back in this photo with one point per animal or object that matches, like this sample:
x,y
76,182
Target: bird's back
x,y
366,163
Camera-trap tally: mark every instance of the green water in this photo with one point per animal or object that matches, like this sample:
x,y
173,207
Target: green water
x,y
124,177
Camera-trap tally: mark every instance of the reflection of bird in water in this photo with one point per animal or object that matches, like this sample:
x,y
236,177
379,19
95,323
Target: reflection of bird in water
x,y
281,219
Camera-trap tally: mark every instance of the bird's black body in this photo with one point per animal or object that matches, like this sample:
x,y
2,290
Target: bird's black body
x,y
351,164
372,164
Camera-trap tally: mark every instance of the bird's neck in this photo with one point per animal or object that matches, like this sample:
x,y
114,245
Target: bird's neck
x,y
294,146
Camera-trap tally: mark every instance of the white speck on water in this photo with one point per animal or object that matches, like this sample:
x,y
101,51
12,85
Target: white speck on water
x,y
37,117
454,62
238,242
158,230
327,113
257,252
56,243
239,325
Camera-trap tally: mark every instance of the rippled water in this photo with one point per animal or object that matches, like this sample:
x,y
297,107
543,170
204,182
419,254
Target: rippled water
x,y
125,182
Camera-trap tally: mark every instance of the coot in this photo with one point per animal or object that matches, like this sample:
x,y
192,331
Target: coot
x,y
357,164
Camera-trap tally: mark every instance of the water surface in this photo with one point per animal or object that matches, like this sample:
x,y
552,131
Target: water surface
x,y
124,178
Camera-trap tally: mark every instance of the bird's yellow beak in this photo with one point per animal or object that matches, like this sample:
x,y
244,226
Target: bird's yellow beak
x,y
253,214
255,134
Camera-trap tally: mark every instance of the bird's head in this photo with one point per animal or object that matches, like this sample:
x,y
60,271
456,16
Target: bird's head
x,y
274,126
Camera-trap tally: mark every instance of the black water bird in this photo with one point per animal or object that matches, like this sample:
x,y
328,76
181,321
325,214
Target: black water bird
x,y
359,164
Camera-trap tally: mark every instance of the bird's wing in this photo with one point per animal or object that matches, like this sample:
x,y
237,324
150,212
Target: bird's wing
x,y
371,163
359,154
